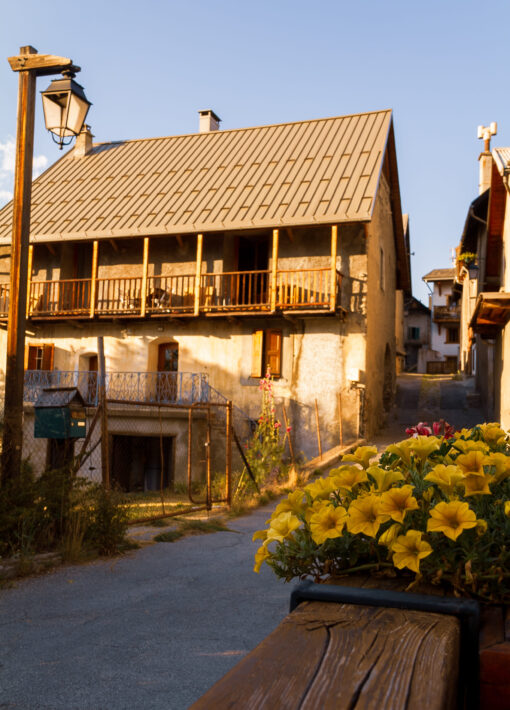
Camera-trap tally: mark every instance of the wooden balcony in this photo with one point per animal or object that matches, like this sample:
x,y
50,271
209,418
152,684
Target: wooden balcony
x,y
446,314
239,292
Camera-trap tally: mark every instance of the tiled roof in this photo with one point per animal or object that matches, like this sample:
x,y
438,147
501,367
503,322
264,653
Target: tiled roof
x,y
440,275
319,171
502,159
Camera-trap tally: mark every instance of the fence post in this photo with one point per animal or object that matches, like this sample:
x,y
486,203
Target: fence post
x,y
105,454
228,461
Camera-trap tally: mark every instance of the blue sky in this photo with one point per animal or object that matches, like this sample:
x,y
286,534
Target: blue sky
x,y
149,67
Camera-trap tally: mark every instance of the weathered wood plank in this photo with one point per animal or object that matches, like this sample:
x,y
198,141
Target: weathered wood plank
x,y
336,656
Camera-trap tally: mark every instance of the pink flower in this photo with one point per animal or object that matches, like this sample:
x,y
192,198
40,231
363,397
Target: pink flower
x,y
288,429
421,429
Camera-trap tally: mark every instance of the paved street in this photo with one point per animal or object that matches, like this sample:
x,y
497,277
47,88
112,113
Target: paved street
x,y
156,628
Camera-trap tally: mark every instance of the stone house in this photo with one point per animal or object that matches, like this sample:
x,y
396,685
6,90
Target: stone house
x,y
204,259
485,285
445,323
417,320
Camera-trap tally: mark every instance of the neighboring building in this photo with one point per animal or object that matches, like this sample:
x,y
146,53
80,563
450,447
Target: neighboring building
x,y
486,284
445,325
401,296
417,319
205,258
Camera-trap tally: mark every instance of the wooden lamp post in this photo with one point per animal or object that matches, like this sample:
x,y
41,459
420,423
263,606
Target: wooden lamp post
x,y
65,106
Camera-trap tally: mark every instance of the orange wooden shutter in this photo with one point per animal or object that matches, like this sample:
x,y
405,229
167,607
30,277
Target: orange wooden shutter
x,y
47,358
30,357
256,353
274,351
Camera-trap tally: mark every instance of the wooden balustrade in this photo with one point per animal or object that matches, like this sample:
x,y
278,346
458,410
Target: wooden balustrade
x,y
234,291
303,288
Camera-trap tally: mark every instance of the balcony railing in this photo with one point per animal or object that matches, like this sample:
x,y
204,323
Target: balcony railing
x,y
148,387
239,291
446,313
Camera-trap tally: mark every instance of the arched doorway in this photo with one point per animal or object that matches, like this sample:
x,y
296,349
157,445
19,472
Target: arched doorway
x,y
168,367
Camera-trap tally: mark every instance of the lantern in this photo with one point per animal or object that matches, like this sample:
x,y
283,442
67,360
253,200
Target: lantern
x,y
65,109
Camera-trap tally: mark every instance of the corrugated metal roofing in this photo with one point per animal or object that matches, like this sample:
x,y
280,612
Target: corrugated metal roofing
x,y
440,275
319,171
502,159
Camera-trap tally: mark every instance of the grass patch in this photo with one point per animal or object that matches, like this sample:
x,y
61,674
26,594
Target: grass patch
x,y
192,527
169,536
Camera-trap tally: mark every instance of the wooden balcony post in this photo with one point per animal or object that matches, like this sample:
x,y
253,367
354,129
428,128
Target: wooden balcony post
x,y
143,295
93,280
29,275
274,270
200,240
332,292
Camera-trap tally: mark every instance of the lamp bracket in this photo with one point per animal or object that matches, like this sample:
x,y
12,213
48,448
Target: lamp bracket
x,y
42,64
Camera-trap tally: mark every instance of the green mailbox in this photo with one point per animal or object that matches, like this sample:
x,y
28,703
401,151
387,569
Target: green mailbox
x,y
60,414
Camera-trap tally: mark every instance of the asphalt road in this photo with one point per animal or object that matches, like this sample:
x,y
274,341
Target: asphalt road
x,y
151,630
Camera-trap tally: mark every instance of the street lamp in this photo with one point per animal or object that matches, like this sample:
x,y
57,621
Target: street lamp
x,y
64,123
65,108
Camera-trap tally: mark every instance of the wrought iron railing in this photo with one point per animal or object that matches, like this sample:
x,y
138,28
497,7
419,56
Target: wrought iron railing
x,y
149,387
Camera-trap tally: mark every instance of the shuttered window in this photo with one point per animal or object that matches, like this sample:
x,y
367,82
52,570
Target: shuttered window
x,y
40,357
273,352
266,352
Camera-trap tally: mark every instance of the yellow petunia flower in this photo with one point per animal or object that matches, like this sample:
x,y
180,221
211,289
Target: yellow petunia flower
x,y
347,477
259,535
476,485
362,455
423,446
507,508
409,549
451,518
446,477
493,433
502,464
383,478
472,463
397,502
390,535
466,446
364,515
481,526
402,450
283,526
327,523
260,556
314,508
321,488
295,503
463,433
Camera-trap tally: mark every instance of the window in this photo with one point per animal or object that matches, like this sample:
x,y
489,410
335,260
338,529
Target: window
x,y
40,357
413,333
266,352
452,335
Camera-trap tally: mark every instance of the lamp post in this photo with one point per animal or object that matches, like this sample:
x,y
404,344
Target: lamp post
x,y
30,65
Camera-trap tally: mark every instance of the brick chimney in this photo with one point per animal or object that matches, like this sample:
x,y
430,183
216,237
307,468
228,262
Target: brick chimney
x,y
209,121
83,143
485,158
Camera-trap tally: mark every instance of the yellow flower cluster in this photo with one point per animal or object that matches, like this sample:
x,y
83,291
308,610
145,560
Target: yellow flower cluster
x,y
416,500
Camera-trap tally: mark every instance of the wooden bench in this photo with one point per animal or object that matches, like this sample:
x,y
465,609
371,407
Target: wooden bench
x,y
335,656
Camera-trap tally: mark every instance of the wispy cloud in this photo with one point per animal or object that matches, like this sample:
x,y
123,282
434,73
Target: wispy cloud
x,y
7,152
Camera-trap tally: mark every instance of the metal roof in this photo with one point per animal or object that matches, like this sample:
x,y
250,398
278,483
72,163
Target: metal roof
x,y
440,275
319,171
502,159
